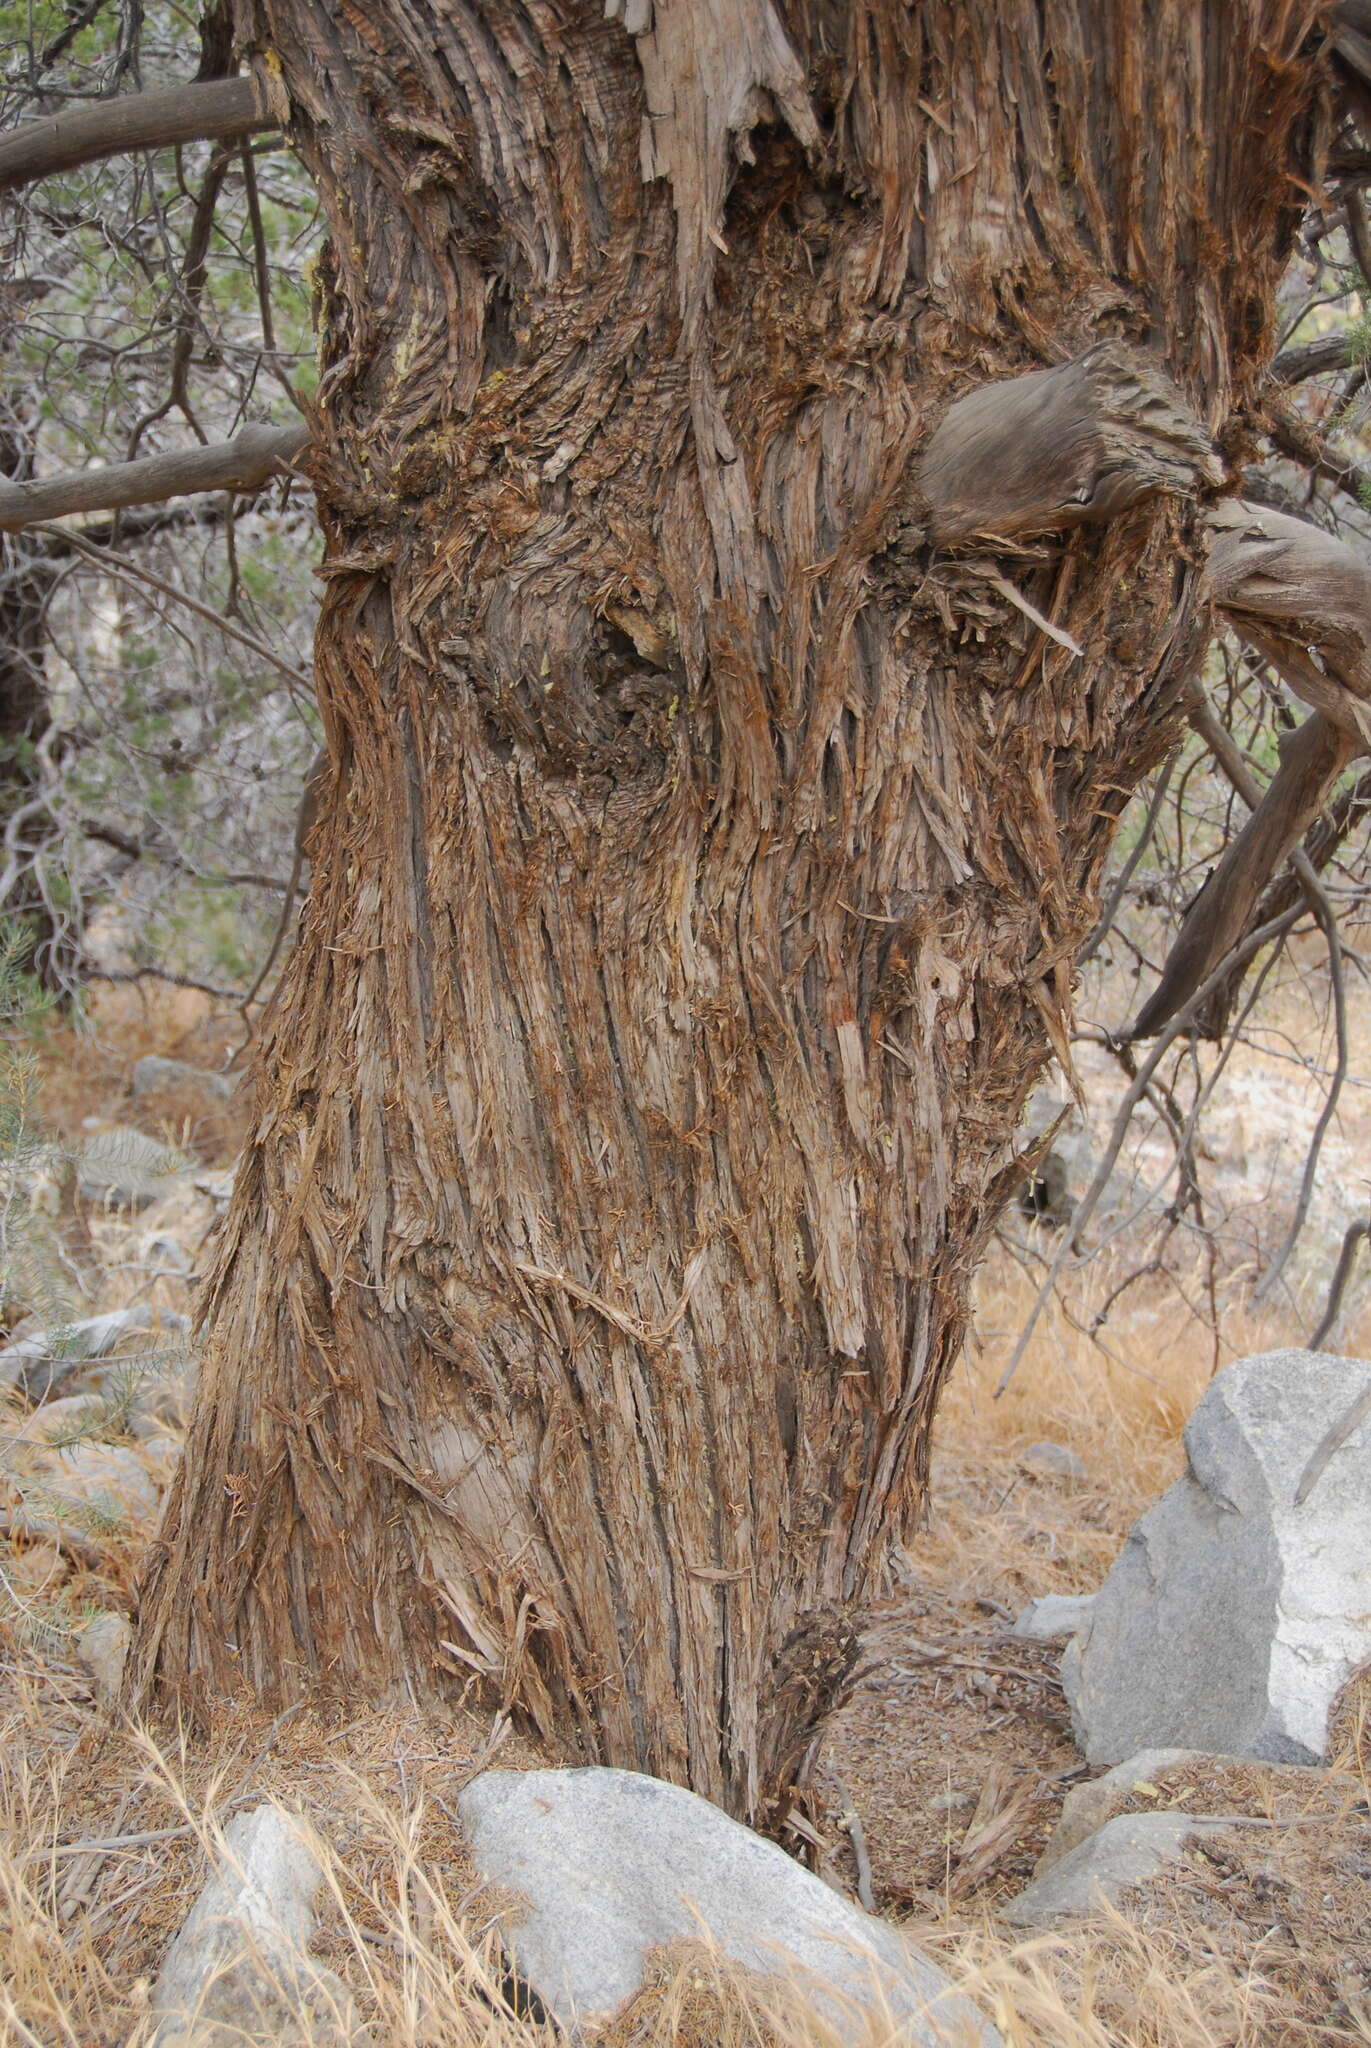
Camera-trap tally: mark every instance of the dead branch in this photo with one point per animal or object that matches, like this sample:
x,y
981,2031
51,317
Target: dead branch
x,y
1332,1308
1311,760
254,455
1300,878
1312,359
1303,599
217,110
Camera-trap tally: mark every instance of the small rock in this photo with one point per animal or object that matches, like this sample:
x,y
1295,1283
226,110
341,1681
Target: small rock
x,y
614,1864
102,1646
36,1365
77,1495
239,1972
951,1802
74,1417
151,1074
1088,1807
1054,1459
1052,1615
125,1169
1125,1852
1230,1782
1232,1616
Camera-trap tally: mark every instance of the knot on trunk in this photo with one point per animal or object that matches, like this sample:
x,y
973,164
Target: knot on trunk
x,y
1062,447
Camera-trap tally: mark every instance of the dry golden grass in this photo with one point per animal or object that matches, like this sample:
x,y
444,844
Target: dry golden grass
x,y
82,1931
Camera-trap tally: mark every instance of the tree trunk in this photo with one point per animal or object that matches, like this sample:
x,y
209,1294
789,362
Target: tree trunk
x,y
707,850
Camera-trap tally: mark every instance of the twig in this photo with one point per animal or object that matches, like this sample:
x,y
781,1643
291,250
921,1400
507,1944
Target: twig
x,y
1352,1237
1031,612
118,565
851,1826
1338,980
1085,1208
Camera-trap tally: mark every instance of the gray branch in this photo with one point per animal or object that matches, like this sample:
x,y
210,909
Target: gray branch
x,y
245,463
219,110
1312,758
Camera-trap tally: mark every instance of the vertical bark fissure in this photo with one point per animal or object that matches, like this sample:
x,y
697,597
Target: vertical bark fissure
x,y
702,868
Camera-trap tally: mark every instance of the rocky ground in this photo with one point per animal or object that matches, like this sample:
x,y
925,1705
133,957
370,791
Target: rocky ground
x,y
938,1791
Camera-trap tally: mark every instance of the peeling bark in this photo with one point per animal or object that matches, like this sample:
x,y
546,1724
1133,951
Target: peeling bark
x,y
707,850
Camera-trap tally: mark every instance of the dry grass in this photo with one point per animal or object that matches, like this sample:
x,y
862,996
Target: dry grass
x,y
981,1728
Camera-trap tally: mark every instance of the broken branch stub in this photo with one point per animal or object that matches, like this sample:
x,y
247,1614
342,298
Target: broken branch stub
x,y
1303,599
1062,447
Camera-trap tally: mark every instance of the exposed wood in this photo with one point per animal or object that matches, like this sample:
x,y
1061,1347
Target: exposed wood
x,y
254,455
216,110
1312,758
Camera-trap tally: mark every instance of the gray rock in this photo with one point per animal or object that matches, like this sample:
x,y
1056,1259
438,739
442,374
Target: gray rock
x,y
88,1491
36,1365
125,1169
150,1074
1123,1853
1088,1807
614,1864
162,1399
1054,1459
67,1421
102,1646
1232,1617
217,1186
239,1972
1052,1615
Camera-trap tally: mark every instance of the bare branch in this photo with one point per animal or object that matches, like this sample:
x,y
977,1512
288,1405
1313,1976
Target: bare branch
x,y
1311,760
1312,359
245,463
218,110
133,572
1352,1237
1293,436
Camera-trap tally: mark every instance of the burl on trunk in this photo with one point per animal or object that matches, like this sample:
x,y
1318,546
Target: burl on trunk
x,y
726,738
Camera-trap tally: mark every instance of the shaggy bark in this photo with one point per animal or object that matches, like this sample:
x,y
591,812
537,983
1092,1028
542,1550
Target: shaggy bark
x,y
715,814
